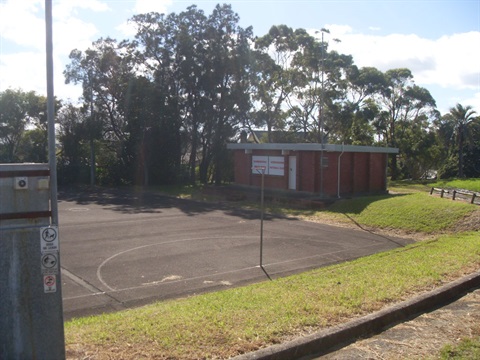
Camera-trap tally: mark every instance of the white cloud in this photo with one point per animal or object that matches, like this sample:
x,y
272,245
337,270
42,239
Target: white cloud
x,y
450,61
458,60
23,69
127,28
146,6
72,33
27,71
22,38
69,31
473,101
20,23
23,22
67,8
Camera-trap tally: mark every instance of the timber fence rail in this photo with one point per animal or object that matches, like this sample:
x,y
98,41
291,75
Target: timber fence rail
x,y
456,194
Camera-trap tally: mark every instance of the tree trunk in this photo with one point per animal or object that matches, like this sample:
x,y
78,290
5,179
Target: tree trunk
x,y
393,167
92,162
193,157
460,151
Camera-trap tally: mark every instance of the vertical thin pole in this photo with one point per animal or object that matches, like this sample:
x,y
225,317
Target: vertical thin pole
x,y
322,93
92,143
51,114
321,116
56,348
261,217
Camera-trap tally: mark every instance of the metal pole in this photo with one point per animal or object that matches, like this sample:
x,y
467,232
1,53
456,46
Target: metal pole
x,y
92,143
339,164
51,114
261,217
322,93
321,115
57,343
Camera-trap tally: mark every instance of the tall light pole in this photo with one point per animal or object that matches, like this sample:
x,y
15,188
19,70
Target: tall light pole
x,y
322,88
320,111
51,112
321,105
91,131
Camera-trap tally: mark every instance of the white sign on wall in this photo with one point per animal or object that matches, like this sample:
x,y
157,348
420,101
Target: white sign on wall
x,y
273,165
259,162
276,165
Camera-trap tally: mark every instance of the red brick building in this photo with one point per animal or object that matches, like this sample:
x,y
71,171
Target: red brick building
x,y
347,170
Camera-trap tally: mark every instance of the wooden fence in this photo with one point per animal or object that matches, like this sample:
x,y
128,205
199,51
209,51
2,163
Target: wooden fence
x,y
455,194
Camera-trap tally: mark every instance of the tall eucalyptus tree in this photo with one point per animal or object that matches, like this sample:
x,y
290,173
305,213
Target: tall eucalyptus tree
x,y
104,71
228,65
201,63
275,76
401,103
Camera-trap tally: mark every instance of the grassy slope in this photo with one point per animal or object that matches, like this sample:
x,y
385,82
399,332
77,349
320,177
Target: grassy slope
x,y
238,320
406,186
467,184
417,212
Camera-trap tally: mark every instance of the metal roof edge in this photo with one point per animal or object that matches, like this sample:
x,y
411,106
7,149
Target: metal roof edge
x,y
23,166
312,147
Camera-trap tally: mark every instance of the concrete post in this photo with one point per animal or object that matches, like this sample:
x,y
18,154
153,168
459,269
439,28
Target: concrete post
x,y
31,321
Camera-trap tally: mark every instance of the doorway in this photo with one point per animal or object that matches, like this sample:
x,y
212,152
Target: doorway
x,y
292,173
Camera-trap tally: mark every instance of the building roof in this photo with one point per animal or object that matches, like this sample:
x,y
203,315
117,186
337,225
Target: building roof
x,y
313,147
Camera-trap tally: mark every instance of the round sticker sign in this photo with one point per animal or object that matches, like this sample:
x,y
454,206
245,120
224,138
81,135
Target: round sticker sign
x,y
50,284
49,234
50,280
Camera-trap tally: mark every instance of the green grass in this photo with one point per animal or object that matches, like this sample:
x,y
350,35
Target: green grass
x,y
226,323
466,184
415,212
409,208
467,349
408,186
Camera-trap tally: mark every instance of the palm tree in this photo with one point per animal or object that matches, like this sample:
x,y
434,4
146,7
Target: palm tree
x,y
462,117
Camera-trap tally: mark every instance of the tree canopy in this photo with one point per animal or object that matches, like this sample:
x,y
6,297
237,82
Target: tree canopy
x,y
160,108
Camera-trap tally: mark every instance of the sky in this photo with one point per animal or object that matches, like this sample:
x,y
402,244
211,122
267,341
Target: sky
x,y
438,40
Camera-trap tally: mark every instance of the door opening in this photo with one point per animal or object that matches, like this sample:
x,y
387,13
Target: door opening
x,y
292,173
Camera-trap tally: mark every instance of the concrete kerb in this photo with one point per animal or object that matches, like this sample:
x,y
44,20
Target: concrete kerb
x,y
330,339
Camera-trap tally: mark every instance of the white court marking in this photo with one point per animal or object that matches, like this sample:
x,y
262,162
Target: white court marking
x,y
163,281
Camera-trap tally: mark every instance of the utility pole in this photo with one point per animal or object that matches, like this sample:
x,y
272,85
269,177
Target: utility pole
x,y
322,88
31,321
92,129
321,121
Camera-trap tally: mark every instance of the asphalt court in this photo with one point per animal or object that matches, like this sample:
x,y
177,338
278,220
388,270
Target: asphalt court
x,y
123,248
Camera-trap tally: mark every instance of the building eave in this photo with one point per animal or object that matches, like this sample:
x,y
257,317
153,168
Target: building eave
x,y
312,147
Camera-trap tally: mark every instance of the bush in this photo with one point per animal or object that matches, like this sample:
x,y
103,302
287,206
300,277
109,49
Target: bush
x,y
449,169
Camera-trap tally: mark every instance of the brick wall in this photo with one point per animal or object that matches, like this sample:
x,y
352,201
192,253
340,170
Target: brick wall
x,y
360,173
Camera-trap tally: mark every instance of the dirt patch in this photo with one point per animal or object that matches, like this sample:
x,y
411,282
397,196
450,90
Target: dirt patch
x,y
469,223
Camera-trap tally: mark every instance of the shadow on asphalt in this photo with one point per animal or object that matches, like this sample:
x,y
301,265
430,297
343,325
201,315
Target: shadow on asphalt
x,y
136,201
